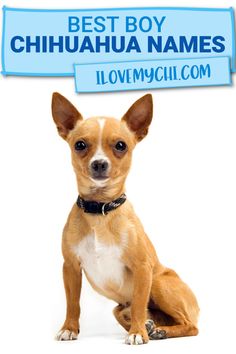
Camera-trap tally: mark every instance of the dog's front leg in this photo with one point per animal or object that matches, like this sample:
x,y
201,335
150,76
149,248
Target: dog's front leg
x,y
72,282
142,279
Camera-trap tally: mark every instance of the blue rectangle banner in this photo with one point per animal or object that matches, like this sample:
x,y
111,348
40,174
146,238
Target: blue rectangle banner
x,y
48,42
122,48
139,75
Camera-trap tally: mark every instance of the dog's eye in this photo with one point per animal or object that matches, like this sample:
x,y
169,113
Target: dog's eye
x,y
80,145
120,146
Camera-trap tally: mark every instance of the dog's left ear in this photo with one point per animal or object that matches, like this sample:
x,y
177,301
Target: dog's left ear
x,y
139,116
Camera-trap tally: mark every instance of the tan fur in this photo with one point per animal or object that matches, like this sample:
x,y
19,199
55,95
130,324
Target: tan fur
x,y
149,290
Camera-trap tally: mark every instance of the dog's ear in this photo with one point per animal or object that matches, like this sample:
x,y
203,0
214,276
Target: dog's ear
x,y
65,115
139,116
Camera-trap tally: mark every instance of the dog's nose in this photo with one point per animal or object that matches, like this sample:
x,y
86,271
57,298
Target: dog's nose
x,y
99,166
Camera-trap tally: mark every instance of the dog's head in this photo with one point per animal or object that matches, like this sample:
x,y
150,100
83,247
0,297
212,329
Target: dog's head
x,y
101,147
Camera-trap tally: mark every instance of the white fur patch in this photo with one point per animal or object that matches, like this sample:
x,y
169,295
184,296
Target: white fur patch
x,y
101,262
99,153
134,339
98,183
101,122
66,334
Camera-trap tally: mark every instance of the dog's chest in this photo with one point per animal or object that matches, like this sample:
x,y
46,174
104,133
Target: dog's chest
x,y
101,262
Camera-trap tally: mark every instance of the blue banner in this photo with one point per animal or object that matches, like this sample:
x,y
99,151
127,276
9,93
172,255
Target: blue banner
x,y
152,74
57,43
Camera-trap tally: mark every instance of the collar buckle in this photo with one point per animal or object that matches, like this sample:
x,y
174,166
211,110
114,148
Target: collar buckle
x,y
103,209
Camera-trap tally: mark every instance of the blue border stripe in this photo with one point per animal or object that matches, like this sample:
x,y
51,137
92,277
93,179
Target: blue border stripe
x,y
233,66
119,8
6,73
3,38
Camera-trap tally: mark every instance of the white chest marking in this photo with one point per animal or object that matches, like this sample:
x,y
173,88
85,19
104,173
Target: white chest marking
x,y
102,263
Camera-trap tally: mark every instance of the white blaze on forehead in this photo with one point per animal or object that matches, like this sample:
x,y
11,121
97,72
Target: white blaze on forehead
x,y
99,153
101,122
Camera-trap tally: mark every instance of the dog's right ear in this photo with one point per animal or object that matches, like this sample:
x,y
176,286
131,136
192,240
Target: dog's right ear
x,y
65,115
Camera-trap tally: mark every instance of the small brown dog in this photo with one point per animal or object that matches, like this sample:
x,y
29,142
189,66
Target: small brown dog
x,y
104,238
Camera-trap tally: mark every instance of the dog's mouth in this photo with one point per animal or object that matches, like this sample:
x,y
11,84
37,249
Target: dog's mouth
x,y
100,180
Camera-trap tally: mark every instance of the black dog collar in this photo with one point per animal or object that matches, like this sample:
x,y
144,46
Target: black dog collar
x,y
92,207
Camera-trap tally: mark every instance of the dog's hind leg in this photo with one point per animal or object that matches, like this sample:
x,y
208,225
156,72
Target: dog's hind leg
x,y
172,310
155,319
174,298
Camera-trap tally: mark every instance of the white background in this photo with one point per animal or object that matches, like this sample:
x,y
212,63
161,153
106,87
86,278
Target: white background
x,y
182,183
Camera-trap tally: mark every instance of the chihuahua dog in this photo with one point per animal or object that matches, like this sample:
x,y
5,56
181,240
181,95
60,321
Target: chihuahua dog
x,y
104,237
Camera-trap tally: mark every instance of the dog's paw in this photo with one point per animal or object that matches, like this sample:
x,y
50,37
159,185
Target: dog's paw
x,y
134,339
137,338
154,332
157,333
150,326
66,334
